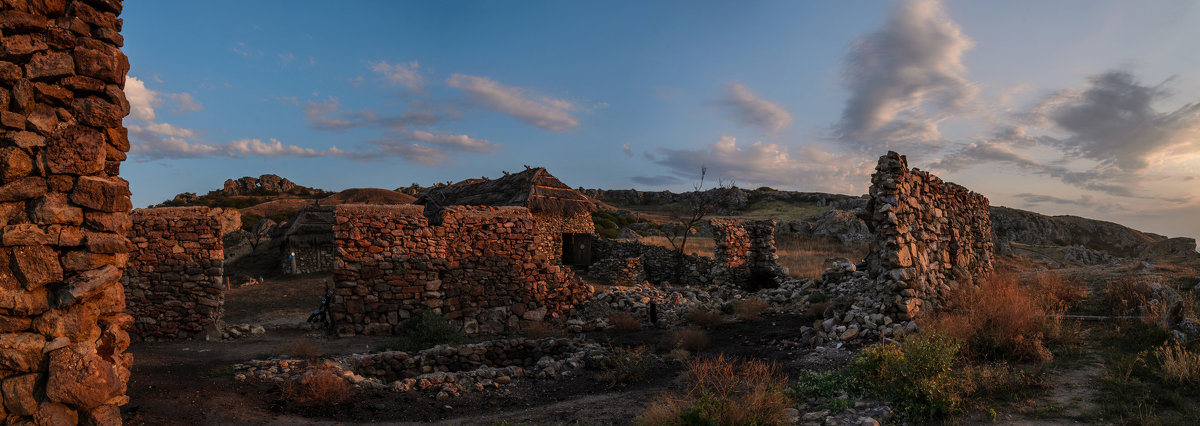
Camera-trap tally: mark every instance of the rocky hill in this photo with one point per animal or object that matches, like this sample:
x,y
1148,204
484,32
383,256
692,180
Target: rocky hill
x,y
1026,227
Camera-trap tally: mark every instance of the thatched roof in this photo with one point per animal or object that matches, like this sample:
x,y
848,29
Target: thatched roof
x,y
534,188
369,196
312,226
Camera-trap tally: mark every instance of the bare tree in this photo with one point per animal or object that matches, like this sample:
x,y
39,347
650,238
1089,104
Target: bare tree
x,y
260,230
700,203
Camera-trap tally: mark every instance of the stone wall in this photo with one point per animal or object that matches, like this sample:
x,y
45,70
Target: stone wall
x,y
63,212
550,229
478,267
618,271
659,263
744,252
309,259
930,236
174,287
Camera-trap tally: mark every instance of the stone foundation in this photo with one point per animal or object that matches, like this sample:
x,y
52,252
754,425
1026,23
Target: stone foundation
x,y
63,213
174,286
745,253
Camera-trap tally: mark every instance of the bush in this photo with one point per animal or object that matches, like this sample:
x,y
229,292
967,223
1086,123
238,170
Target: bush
x,y
622,321
998,319
624,366
750,309
693,339
303,348
915,375
704,318
723,391
316,386
425,330
1126,295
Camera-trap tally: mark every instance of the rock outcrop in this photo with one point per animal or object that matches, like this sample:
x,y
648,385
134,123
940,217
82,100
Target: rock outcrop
x,y
265,185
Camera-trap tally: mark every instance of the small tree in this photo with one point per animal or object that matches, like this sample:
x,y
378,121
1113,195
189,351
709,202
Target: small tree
x,y
700,203
259,231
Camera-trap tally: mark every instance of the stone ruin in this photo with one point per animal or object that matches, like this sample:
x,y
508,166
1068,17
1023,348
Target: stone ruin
x,y
930,238
64,212
743,256
745,253
174,287
478,267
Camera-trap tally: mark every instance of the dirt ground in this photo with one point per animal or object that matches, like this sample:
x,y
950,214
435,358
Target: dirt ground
x,y
191,382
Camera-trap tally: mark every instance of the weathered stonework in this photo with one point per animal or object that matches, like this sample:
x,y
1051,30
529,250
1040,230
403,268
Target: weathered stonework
x,y
174,287
63,212
659,264
930,236
618,271
745,253
551,227
477,267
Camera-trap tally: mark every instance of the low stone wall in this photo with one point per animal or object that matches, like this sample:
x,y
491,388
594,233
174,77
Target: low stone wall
x,y
447,370
308,259
618,271
659,263
174,287
477,267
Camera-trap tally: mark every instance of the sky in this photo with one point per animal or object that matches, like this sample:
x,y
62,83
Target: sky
x,y
1081,107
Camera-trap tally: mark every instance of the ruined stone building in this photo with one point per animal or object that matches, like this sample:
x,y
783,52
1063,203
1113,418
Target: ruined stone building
x,y
306,246
562,216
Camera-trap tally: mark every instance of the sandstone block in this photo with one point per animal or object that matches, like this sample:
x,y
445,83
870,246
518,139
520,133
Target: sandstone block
x,y
79,377
19,392
21,351
50,65
104,194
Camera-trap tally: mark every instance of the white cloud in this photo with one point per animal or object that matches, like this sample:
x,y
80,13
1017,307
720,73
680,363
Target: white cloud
x,y
540,111
184,103
407,75
628,151
457,142
141,100
750,110
904,79
272,148
767,164
320,114
286,58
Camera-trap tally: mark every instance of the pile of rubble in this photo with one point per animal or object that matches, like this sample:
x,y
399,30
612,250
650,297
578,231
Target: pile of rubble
x,y
446,370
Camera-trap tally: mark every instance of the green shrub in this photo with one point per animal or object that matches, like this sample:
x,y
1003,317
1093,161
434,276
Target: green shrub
x,y
425,330
914,375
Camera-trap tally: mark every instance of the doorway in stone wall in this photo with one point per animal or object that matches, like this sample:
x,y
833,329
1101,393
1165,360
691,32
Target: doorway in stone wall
x,y
577,249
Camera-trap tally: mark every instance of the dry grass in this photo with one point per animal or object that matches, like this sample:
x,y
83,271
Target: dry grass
x,y
622,321
1179,365
1126,295
704,318
317,386
804,256
1001,319
303,348
700,246
724,392
541,329
1056,292
750,309
693,339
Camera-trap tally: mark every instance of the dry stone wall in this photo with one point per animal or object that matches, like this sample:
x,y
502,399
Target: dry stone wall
x,y
63,212
745,253
551,227
659,264
477,267
930,236
930,239
618,271
174,287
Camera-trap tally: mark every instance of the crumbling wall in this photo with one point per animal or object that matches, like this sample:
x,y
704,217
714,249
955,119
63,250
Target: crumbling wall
x,y
63,213
550,229
618,271
930,236
174,287
478,267
745,253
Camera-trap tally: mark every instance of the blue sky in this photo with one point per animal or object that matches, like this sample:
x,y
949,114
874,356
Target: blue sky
x,y
1065,107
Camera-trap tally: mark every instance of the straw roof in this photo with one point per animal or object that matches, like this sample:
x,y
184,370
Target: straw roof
x,y
534,188
312,226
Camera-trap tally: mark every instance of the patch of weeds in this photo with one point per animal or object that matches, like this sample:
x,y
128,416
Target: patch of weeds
x,y
1146,381
316,387
817,297
838,405
751,309
724,391
425,330
624,366
623,321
